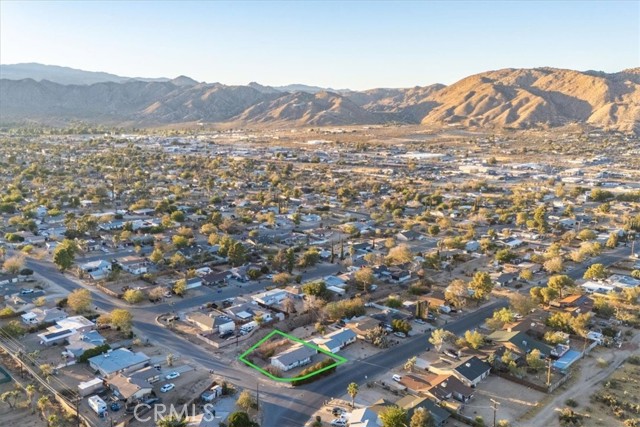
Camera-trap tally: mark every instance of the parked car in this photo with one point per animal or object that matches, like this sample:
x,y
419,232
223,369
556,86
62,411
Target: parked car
x,y
167,387
115,406
396,378
172,375
26,291
419,321
337,411
339,422
400,334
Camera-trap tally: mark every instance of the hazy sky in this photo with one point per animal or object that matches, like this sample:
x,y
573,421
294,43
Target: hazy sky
x,y
336,44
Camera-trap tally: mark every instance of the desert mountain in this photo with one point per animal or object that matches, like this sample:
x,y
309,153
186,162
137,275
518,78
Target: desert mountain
x,y
63,75
521,98
508,98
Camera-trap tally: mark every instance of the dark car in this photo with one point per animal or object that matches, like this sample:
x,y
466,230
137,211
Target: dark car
x,y
115,406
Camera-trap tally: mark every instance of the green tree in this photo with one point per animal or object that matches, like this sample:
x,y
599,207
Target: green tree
x,y
237,254
554,265
133,296
180,287
612,241
474,339
241,419
180,241
439,337
309,258
596,272
352,390
526,274
64,254
559,283
504,255
172,421
422,418
79,300
586,235
400,255
410,363
364,277
14,264
393,416
282,279
481,284
121,319
157,256
535,361
246,401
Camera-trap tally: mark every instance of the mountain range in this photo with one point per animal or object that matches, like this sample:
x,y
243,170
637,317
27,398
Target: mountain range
x,y
507,98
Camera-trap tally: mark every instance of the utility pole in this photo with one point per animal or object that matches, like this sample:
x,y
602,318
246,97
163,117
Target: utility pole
x,y
258,395
495,410
548,372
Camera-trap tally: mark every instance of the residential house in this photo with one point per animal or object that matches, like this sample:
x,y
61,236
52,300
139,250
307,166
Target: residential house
x,y
470,370
270,298
518,342
133,264
201,320
81,342
294,357
39,315
336,341
120,360
407,235
364,417
127,388
78,323
411,403
362,325
55,335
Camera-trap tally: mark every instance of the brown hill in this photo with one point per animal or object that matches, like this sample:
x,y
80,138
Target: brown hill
x,y
521,98
509,98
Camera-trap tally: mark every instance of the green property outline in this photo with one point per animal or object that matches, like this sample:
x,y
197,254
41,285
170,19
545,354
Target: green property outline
x,y
339,359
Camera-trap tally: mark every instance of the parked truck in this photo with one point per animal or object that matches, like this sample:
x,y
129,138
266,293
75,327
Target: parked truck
x,y
97,404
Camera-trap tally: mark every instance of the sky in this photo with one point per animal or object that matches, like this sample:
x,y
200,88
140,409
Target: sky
x,y
337,44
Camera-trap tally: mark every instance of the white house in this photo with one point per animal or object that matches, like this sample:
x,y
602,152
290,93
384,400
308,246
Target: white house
x,y
294,357
336,341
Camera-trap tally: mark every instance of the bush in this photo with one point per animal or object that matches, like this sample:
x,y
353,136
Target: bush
x,y
96,351
571,403
312,369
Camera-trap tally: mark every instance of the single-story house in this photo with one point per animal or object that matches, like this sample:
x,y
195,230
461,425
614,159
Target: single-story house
x,y
133,264
412,403
201,320
77,323
127,388
81,342
114,361
55,335
272,297
471,371
336,341
39,315
294,357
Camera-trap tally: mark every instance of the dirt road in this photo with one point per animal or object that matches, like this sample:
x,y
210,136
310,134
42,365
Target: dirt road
x,y
587,383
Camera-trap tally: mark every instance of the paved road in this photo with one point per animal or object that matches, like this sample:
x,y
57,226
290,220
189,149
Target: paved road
x,y
280,405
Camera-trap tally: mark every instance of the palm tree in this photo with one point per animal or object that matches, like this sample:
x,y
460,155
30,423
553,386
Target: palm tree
x,y
352,390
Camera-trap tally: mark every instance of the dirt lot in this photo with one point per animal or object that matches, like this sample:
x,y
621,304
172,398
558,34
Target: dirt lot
x,y
514,399
586,382
624,385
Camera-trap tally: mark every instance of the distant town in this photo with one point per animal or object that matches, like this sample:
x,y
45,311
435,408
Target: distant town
x,y
362,276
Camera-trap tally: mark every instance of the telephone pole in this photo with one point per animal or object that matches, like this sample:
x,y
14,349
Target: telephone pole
x,y
548,372
495,410
258,395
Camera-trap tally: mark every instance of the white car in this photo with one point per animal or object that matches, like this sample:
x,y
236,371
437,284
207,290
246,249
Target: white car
x,y
396,378
400,334
339,422
167,387
172,375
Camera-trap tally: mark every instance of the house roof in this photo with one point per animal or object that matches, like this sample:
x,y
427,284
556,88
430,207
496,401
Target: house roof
x,y
472,368
520,340
411,403
117,360
294,354
128,386
338,338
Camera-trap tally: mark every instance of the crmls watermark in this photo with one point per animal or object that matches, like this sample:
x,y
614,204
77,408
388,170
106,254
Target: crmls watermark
x,y
145,413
